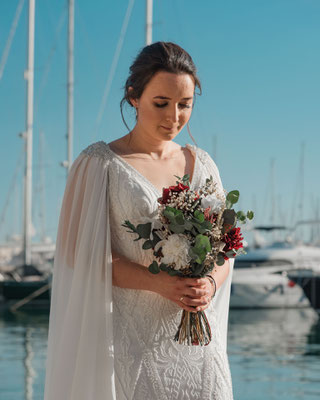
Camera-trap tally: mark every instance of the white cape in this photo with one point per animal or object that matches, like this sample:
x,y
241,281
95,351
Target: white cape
x,y
80,357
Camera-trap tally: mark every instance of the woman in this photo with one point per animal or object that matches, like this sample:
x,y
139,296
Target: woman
x,y
112,322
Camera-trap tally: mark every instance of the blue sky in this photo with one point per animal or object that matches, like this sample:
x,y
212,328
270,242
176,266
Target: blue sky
x,y
258,62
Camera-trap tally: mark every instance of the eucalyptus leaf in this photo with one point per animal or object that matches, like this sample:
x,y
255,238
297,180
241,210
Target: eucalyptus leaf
x,y
203,242
231,253
154,268
148,244
220,259
144,230
233,196
179,219
229,217
163,267
156,238
250,215
175,228
197,269
173,272
168,214
199,215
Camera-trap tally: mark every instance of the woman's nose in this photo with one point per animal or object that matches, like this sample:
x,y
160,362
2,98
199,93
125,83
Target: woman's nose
x,y
173,113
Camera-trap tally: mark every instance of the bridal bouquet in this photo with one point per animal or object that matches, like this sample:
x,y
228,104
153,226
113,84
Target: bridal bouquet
x,y
191,233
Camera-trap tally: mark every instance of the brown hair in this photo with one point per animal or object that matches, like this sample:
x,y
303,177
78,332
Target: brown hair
x,y
158,56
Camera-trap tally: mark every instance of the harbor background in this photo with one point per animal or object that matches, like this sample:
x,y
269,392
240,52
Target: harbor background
x,y
258,117
273,354
258,62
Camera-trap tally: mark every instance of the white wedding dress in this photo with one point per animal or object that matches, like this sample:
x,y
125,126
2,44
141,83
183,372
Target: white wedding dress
x,y
109,343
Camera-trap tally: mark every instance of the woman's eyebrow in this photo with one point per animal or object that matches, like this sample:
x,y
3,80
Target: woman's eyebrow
x,y
169,98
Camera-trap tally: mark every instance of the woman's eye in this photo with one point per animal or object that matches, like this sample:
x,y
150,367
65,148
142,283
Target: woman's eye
x,y
160,105
181,105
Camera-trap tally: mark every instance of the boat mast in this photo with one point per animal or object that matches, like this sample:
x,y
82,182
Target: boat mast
x,y
149,22
70,82
28,75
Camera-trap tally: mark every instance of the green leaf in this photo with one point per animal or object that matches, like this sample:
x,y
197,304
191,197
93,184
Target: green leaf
x,y
233,196
197,269
203,242
207,225
192,253
144,230
229,217
241,216
188,226
148,244
163,267
154,268
199,215
250,215
173,272
156,238
220,259
128,224
179,219
175,228
168,214
231,254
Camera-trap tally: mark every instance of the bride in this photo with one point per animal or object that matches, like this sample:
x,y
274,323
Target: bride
x,y
112,322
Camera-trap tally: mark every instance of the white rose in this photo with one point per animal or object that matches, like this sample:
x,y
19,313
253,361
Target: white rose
x,y
212,201
175,249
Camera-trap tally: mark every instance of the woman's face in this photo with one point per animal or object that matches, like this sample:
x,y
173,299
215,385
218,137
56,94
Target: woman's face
x,y
165,105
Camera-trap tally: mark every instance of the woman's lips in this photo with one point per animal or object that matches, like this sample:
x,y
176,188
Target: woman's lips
x,y
168,129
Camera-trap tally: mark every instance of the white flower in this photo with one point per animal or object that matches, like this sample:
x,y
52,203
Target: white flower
x,y
175,249
212,201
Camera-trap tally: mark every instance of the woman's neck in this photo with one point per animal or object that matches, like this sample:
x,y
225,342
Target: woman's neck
x,y
140,142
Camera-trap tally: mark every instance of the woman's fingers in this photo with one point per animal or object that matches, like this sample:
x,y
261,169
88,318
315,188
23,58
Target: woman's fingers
x,y
202,301
196,282
196,292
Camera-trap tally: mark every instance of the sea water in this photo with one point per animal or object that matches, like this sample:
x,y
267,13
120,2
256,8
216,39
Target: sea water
x,y
273,354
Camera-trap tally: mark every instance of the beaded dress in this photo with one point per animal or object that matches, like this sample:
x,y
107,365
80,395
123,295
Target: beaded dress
x,y
110,343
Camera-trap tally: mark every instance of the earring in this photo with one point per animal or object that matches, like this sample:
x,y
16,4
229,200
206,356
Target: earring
x,y
136,108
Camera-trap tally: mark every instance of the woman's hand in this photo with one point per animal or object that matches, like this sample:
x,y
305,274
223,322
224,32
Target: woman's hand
x,y
191,294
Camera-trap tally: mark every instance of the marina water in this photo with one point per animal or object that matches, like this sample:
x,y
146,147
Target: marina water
x,y
273,354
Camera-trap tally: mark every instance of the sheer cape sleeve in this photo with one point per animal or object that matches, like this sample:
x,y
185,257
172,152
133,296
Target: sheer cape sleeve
x,y
79,362
221,301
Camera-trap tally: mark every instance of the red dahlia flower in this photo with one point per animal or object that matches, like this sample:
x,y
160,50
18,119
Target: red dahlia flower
x,y
233,240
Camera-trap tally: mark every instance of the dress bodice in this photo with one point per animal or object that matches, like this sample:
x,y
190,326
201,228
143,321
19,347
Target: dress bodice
x,y
149,363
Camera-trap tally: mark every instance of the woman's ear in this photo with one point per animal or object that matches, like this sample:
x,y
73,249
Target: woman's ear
x,y
133,101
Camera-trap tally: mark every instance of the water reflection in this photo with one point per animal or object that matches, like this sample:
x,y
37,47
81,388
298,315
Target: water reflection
x,y
273,354
23,339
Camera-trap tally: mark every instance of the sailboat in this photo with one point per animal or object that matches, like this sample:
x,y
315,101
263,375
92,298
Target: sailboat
x,y
26,275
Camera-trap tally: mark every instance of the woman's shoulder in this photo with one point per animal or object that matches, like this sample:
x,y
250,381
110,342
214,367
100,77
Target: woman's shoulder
x,y
98,149
202,154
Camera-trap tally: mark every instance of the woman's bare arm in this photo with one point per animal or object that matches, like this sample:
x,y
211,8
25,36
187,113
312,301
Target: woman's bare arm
x,y
196,292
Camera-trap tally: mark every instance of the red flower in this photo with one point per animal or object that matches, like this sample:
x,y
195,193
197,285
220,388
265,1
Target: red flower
x,y
233,240
166,193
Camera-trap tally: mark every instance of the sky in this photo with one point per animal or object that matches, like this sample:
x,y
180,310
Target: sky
x,y
258,116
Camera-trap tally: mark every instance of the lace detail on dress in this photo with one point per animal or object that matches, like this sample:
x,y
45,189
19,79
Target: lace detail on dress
x,y
98,149
149,364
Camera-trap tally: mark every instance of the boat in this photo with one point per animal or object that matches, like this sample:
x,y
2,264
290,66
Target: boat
x,y
309,281
26,267
261,277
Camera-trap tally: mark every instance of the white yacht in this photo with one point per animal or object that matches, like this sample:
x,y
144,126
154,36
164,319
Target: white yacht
x,y
260,277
